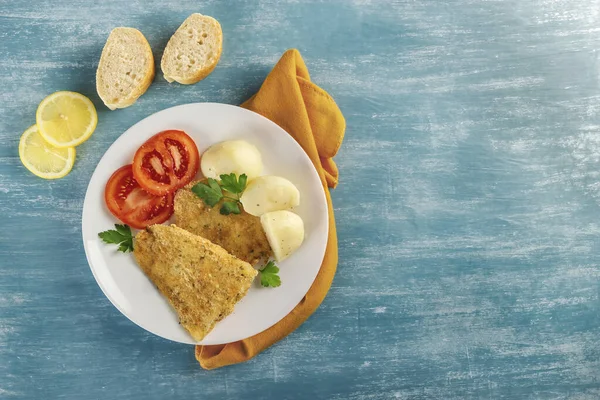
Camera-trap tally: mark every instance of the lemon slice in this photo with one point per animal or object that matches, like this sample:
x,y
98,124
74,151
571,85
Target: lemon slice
x,y
43,159
66,119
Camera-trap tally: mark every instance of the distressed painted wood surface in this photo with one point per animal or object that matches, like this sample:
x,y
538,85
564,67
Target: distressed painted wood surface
x,y
467,210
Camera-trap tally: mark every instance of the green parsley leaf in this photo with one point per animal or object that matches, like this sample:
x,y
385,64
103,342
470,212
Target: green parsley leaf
x,y
214,184
211,193
111,236
230,207
268,275
232,184
126,246
121,236
242,181
123,229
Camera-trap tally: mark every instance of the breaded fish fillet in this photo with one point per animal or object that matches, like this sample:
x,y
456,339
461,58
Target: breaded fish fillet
x,y
200,279
241,235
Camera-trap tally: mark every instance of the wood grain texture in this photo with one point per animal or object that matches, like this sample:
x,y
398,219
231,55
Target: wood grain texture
x,y
467,210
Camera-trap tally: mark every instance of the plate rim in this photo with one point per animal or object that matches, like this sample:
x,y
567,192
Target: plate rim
x,y
321,191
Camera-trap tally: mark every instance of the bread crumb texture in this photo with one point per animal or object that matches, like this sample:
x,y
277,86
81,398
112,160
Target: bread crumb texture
x,y
193,51
126,68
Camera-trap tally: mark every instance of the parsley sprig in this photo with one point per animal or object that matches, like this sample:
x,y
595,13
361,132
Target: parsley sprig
x,y
269,275
230,189
121,236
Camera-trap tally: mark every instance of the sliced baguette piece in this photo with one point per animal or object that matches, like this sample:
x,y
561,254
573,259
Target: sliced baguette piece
x,y
193,51
126,68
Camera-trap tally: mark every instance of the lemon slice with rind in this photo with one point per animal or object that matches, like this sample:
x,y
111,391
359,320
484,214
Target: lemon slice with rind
x,y
66,119
43,159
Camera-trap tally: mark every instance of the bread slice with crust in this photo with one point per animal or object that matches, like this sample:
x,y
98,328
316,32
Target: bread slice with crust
x,y
193,51
126,68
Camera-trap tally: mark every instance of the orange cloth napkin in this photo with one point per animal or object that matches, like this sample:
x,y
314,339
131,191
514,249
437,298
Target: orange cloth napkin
x,y
309,114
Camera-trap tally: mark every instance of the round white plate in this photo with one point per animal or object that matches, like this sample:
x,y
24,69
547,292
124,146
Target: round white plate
x,y
126,286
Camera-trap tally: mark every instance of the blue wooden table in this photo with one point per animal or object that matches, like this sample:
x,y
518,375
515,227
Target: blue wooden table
x,y
468,208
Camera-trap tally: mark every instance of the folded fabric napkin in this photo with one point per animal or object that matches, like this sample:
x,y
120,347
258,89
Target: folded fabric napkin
x,y
309,115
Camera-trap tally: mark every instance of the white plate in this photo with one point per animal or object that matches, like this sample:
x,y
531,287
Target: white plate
x,y
125,284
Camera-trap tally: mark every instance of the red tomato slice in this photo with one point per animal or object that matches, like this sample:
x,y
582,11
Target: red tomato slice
x,y
167,161
127,201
